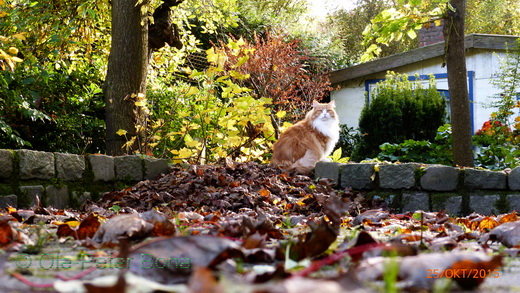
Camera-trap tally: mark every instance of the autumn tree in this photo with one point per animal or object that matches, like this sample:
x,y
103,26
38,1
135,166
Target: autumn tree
x,y
280,70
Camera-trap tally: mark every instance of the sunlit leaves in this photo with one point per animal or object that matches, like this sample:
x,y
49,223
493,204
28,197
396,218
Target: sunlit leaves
x,y
391,25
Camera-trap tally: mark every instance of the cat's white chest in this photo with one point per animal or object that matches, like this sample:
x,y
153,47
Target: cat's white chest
x,y
329,128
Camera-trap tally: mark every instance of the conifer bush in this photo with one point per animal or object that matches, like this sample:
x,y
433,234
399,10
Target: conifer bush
x,y
400,110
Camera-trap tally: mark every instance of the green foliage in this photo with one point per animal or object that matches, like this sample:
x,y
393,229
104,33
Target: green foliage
x,y
505,19
51,110
349,138
214,120
400,110
398,23
423,151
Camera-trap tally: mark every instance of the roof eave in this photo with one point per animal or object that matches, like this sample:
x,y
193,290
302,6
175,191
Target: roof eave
x,y
477,41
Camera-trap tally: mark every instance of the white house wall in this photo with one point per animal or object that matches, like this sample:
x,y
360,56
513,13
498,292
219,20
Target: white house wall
x,y
350,99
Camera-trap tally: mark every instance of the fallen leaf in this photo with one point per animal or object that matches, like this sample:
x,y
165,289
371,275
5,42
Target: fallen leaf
x,y
508,234
422,271
130,226
374,216
161,225
171,260
487,224
203,281
87,228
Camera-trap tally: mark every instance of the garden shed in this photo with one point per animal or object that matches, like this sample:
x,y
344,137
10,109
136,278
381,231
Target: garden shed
x,y
483,55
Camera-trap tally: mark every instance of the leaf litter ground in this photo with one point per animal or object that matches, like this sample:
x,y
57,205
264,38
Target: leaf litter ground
x,y
245,227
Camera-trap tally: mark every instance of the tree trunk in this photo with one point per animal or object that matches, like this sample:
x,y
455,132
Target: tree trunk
x,y
127,70
458,84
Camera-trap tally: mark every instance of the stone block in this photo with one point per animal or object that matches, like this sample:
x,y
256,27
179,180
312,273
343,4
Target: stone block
x,y
29,194
81,197
57,197
514,202
154,167
397,176
69,167
415,201
484,179
8,200
36,165
514,179
328,170
483,204
102,167
358,176
450,202
440,178
6,164
129,168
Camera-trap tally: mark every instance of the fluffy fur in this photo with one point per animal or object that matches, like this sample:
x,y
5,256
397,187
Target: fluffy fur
x,y
309,141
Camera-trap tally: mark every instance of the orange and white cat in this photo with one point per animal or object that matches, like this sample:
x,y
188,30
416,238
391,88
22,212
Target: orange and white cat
x,y
309,141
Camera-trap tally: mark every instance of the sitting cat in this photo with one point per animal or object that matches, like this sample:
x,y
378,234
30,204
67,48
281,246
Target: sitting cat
x,y
309,141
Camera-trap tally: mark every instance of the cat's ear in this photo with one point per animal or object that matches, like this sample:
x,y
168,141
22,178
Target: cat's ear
x,y
315,104
332,104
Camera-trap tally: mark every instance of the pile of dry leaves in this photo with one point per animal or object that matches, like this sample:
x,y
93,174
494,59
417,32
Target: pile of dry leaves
x,y
253,228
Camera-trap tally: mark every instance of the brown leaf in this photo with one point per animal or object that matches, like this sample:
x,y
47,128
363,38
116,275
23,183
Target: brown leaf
x,y
264,192
161,225
87,228
170,260
130,226
472,273
487,224
6,234
374,216
255,240
511,217
203,281
421,272
508,234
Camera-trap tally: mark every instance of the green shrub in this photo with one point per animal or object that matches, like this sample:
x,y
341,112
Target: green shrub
x,y
422,151
50,109
400,110
349,137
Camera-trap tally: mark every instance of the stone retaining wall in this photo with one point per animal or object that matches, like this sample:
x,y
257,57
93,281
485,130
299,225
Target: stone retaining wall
x,y
66,180
411,186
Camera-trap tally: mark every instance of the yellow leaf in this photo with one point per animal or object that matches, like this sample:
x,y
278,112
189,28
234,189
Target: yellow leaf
x,y
192,143
185,153
281,114
19,37
193,90
121,132
140,103
12,51
73,223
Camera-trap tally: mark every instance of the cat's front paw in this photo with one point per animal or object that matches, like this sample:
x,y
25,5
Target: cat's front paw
x,y
328,160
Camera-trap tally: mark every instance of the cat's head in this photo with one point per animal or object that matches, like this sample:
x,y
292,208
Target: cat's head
x,y
322,112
